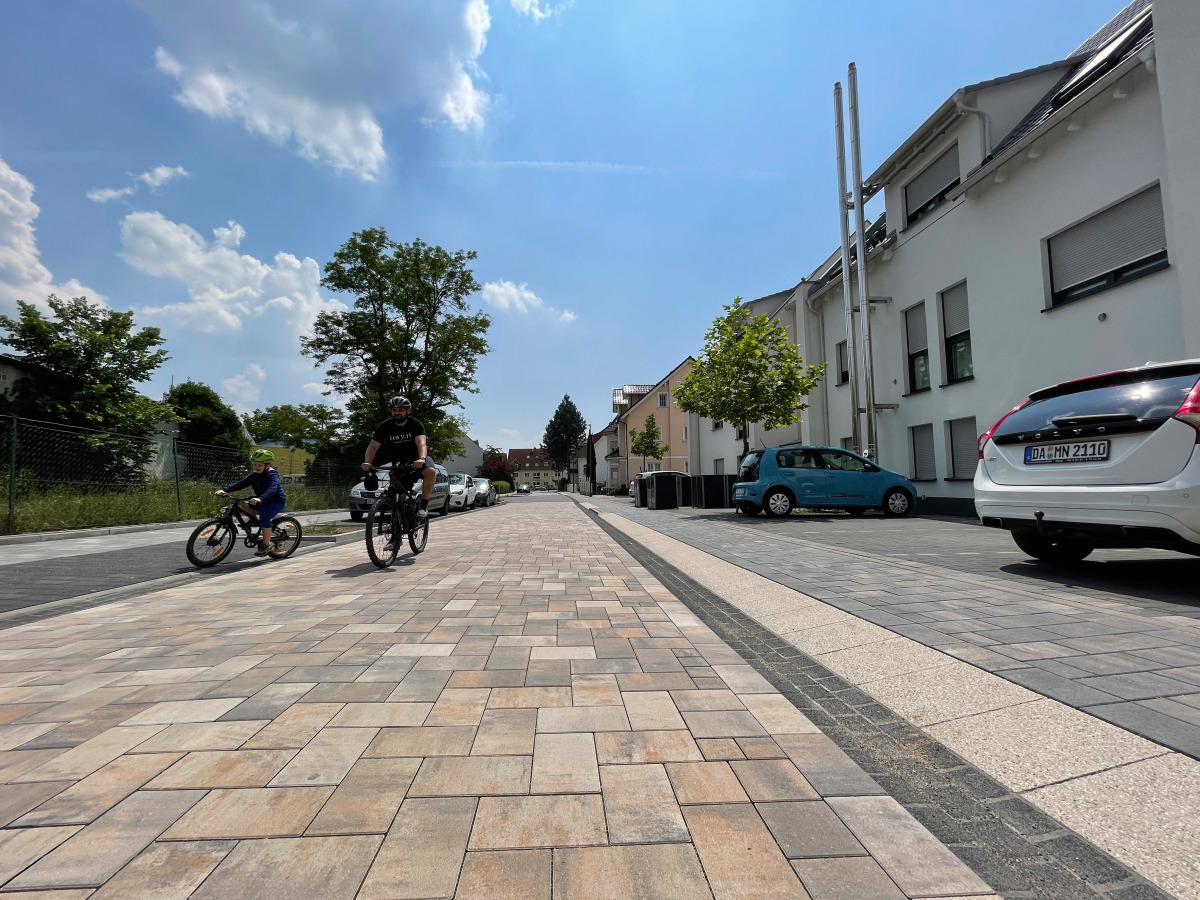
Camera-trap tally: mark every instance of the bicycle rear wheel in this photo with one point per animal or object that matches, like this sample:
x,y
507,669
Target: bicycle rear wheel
x,y
383,532
418,533
210,543
285,537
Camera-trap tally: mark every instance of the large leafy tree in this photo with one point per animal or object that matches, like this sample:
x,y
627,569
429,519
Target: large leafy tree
x,y
315,427
87,361
565,432
204,418
645,443
410,331
748,372
496,465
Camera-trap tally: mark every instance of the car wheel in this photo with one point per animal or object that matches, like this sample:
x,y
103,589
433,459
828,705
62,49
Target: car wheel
x,y
897,502
445,508
356,515
1051,550
749,509
778,503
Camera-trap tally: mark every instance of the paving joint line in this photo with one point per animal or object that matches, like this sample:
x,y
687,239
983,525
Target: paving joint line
x,y
905,761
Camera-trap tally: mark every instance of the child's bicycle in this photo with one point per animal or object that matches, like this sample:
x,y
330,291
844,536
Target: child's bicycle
x,y
394,515
212,540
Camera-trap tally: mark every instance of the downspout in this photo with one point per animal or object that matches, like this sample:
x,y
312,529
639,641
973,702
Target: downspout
x,y
985,121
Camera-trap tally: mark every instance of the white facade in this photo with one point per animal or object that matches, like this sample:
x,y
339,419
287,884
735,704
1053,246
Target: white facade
x,y
467,462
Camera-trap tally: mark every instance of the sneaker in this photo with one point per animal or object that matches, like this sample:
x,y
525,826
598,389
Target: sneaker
x,y
262,551
389,546
423,510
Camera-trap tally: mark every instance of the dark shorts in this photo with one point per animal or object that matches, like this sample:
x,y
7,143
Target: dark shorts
x,y
267,512
418,475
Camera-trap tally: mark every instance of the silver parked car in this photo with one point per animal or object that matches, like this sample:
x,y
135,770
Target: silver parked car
x,y
439,501
485,492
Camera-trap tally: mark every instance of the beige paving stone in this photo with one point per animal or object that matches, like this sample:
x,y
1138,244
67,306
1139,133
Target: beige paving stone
x,y
327,757
651,711
654,681
420,650
808,829
21,847
179,711
706,700
772,779
595,690
646,747
521,823
75,894
506,732
423,851
720,748
491,678
640,806
166,871
847,879
450,740
655,872
18,799
743,679
202,736
740,857
541,653
99,792
529,697
565,764
706,782
367,799
98,851
760,748
462,706
380,715
777,714
223,769
81,761
723,724
250,813
15,764
505,875
294,727
582,718
930,696
13,736
472,776
420,687
310,868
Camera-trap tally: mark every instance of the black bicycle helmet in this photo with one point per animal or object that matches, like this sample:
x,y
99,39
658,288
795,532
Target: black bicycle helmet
x,y
398,401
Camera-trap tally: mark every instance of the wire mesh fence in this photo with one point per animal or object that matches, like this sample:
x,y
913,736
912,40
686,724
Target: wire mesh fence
x,y
57,476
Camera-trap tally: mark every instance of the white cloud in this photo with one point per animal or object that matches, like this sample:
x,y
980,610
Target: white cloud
x,y
244,389
505,296
22,274
538,11
152,178
226,287
314,75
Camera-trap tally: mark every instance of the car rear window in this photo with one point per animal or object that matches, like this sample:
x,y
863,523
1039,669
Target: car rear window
x,y
1149,402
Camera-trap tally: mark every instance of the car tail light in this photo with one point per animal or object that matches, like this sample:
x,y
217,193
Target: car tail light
x,y
1189,412
987,435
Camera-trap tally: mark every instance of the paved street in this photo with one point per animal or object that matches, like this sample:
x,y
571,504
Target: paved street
x,y
520,711
1118,637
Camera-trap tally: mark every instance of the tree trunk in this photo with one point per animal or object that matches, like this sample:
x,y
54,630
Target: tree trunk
x,y
745,439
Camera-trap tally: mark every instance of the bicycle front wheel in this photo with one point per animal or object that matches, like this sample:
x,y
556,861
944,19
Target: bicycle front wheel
x,y
383,532
285,537
418,533
210,543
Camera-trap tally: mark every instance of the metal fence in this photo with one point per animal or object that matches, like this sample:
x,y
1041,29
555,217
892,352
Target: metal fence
x,y
58,476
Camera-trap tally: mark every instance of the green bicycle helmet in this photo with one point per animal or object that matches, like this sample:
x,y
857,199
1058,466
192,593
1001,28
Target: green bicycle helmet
x,y
262,456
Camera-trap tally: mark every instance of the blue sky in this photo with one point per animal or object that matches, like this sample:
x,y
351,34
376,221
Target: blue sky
x,y
621,168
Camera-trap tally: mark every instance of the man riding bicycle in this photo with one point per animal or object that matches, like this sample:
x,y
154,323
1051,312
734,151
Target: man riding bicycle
x,y
402,442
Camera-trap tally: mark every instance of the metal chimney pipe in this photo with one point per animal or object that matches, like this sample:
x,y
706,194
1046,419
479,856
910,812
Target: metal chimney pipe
x,y
847,293
864,301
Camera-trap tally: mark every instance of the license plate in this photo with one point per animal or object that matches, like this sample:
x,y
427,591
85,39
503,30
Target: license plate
x,y
1083,451
739,492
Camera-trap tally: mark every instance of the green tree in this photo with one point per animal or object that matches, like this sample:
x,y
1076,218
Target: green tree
x,y
204,418
88,361
496,465
410,331
645,443
314,427
565,432
748,372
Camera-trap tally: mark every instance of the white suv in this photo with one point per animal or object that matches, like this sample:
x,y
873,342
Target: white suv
x,y
1105,461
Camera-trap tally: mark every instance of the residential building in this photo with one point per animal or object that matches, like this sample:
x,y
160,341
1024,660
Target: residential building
x,y
608,454
12,369
468,461
534,469
633,405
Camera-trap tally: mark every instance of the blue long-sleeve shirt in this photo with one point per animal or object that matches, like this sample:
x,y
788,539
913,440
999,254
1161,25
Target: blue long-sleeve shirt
x,y
267,486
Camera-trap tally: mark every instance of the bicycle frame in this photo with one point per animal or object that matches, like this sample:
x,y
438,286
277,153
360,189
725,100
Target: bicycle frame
x,y
241,520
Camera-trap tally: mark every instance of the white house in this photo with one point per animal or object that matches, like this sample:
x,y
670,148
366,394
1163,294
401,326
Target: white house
x,y
468,461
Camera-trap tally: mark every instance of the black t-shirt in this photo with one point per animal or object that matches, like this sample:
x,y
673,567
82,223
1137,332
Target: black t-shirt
x,y
398,443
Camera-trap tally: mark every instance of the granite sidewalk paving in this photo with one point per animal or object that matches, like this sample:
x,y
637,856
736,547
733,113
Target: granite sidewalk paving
x,y
522,711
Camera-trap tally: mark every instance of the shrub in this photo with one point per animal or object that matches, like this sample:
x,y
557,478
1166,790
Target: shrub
x,y
502,487
562,483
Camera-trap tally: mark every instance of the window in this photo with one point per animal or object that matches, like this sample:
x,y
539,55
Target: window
x,y
686,469
924,462
612,445
662,400
798,459
918,349
926,192
685,434
841,461
739,433
613,473
654,467
719,466
843,364
956,325
1119,244
964,448
717,425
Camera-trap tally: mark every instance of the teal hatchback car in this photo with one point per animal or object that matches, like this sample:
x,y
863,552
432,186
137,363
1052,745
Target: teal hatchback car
x,y
780,479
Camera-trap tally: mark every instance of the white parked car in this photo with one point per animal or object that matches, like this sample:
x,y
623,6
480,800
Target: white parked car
x,y
1105,461
462,491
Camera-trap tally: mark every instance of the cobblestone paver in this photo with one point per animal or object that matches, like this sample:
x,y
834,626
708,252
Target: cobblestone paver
x,y
521,711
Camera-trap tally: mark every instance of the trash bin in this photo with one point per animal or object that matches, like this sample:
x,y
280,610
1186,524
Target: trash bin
x,y
712,491
683,490
664,490
640,492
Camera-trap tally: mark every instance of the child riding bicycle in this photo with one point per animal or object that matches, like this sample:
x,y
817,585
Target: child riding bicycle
x,y
269,498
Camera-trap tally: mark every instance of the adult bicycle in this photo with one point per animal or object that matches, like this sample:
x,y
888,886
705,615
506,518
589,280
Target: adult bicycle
x,y
393,516
212,540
